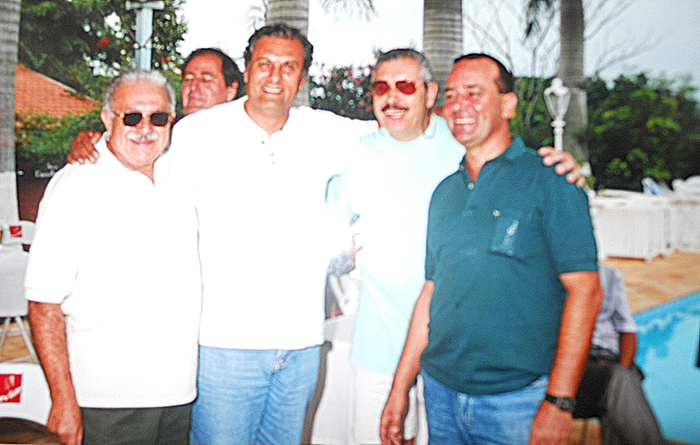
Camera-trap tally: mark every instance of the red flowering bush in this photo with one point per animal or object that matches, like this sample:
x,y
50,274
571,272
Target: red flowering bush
x,y
103,42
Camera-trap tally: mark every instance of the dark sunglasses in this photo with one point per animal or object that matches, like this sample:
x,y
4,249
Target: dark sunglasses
x,y
381,87
159,119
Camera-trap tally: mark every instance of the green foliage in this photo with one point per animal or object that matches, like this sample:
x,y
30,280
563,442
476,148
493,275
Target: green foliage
x,y
343,90
638,127
642,127
84,42
42,142
532,122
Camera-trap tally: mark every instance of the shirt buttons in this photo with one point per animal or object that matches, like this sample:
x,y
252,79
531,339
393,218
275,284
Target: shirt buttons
x,y
470,186
496,213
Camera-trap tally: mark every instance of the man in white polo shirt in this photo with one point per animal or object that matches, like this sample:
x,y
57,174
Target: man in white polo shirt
x,y
114,280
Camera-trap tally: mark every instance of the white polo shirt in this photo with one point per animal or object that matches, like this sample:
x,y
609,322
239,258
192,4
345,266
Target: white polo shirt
x,y
263,221
119,254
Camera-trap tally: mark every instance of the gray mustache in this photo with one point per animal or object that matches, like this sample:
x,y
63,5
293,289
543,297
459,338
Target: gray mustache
x,y
138,137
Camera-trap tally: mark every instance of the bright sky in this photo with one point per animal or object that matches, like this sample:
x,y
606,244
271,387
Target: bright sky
x,y
672,30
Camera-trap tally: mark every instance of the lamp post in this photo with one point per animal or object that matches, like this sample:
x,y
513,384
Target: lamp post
x,y
144,29
557,99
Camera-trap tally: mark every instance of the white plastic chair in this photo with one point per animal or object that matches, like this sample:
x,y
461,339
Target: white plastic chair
x,y
24,393
686,200
17,233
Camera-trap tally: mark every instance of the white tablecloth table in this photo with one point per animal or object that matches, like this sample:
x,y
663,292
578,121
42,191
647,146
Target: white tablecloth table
x,y
633,225
687,222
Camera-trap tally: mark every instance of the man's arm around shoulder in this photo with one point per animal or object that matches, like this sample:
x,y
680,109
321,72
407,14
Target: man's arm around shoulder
x,y
82,149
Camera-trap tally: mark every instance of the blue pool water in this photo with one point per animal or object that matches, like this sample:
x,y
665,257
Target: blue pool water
x,y
668,354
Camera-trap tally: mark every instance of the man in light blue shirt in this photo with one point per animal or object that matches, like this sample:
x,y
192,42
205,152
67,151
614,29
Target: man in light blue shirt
x,y
389,185
502,253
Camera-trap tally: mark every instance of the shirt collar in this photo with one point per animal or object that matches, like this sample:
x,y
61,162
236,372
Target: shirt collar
x,y
429,132
161,167
514,151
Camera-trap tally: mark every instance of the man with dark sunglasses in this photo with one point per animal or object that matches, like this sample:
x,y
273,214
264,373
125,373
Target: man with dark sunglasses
x,y
113,280
260,168
209,77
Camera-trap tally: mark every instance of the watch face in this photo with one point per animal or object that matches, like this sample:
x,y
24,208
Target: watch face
x,y
565,403
568,404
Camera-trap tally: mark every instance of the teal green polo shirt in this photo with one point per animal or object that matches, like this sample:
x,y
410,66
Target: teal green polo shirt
x,y
495,250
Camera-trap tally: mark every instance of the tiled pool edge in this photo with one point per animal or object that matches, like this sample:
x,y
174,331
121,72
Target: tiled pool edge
x,y
663,310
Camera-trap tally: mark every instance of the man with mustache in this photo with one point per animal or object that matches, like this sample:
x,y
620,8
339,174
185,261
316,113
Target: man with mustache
x,y
501,330
388,188
209,77
113,280
264,243
260,168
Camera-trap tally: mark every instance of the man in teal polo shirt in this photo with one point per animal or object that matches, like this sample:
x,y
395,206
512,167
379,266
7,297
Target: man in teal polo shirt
x,y
504,322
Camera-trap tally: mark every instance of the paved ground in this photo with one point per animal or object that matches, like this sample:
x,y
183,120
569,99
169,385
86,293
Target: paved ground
x,y
649,284
660,280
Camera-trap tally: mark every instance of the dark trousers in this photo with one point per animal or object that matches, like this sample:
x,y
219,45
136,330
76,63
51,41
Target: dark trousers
x,y
137,426
614,394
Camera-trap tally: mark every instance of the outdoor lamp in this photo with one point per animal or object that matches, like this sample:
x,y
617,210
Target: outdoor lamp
x,y
557,99
144,29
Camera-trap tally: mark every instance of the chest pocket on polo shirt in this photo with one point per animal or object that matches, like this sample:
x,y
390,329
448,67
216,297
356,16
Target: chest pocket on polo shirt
x,y
514,233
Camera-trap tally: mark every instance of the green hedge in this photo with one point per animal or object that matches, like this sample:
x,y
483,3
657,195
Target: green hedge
x,y
42,142
638,126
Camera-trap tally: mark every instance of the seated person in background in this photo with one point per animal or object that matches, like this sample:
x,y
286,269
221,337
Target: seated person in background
x,y
611,388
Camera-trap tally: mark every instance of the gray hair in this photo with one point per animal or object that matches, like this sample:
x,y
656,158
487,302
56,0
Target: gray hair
x,y
426,70
155,77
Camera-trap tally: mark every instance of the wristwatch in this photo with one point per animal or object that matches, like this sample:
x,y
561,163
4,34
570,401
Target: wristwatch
x,y
564,403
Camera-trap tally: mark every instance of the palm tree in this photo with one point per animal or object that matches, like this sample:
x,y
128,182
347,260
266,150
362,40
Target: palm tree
x,y
294,13
570,69
442,37
9,38
442,31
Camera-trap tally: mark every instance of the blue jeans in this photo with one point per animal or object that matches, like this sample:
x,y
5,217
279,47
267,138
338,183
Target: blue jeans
x,y
504,419
253,396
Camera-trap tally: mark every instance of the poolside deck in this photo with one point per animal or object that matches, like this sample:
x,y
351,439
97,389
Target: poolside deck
x,y
649,284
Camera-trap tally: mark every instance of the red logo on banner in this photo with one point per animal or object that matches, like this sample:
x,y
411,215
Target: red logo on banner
x,y
10,388
16,231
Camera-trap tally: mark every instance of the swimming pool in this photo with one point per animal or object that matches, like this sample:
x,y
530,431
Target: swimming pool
x,y
668,354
